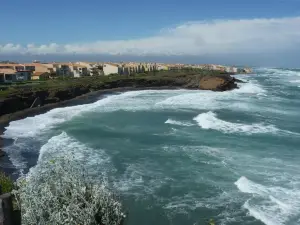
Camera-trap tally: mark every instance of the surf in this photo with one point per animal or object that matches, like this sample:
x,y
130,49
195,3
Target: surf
x,y
209,120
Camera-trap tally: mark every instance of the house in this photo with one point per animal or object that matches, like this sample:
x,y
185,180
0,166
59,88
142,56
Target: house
x,y
7,75
161,67
90,66
62,69
69,69
96,70
40,76
50,68
78,70
29,67
111,68
15,67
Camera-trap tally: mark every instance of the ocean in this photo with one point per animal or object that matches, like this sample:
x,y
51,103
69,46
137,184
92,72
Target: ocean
x,y
182,157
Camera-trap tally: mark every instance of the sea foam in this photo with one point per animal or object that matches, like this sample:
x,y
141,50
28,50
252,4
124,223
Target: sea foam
x,y
178,123
33,126
271,205
209,120
132,101
63,145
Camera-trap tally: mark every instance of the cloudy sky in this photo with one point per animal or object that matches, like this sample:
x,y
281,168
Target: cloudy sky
x,y
256,33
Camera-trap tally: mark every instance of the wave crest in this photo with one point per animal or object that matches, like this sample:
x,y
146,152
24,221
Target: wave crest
x,y
179,123
209,120
271,205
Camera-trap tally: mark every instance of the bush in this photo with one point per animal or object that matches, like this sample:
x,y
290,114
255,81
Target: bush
x,y
58,192
6,183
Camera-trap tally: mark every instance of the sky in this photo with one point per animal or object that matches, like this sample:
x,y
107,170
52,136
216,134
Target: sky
x,y
256,32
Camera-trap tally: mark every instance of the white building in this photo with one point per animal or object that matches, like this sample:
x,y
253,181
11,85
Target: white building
x,y
231,69
90,66
110,68
78,70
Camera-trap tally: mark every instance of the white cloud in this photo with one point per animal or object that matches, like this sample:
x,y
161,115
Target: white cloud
x,y
193,38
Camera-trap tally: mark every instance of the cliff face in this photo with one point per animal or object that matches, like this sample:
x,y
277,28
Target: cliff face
x,y
24,100
221,83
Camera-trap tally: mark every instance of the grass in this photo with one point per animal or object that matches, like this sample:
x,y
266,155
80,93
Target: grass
x,y
6,183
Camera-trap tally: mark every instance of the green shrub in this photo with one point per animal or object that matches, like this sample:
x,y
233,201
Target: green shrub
x,y
6,183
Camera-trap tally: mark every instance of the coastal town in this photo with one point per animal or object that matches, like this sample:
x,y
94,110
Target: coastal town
x,y
13,72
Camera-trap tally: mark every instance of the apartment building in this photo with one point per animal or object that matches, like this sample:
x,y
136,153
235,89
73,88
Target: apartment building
x,y
111,68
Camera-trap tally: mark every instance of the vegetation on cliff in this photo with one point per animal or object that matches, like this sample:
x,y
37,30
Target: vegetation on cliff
x,y
6,183
21,96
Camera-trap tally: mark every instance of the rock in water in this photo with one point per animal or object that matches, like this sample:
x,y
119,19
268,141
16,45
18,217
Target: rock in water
x,y
217,83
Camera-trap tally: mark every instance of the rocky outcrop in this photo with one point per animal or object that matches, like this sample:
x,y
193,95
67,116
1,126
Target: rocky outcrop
x,y
217,83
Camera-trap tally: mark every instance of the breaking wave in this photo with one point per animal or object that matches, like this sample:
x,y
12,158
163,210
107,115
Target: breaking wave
x,y
178,123
209,120
170,154
63,145
271,205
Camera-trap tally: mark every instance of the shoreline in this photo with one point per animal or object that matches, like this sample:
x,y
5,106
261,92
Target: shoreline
x,y
79,100
212,82
87,98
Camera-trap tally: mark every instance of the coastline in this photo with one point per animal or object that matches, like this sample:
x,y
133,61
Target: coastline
x,y
79,100
218,82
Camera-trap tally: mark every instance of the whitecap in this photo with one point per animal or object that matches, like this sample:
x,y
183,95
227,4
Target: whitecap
x,y
209,120
272,205
250,88
248,186
295,81
34,126
60,146
132,101
178,123
260,214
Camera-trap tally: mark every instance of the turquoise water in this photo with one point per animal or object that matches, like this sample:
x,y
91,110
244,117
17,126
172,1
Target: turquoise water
x,y
180,156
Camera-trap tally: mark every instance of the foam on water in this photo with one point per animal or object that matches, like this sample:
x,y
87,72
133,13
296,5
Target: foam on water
x,y
250,88
247,186
209,120
272,205
178,123
184,168
64,145
287,76
141,179
33,126
132,101
208,100
295,81
284,72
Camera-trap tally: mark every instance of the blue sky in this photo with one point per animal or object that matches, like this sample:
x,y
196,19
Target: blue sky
x,y
138,27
